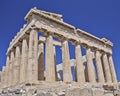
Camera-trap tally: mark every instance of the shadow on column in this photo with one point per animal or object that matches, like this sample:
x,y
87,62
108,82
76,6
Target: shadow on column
x,y
41,67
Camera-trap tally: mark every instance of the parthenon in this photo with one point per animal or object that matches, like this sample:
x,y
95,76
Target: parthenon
x,y
31,56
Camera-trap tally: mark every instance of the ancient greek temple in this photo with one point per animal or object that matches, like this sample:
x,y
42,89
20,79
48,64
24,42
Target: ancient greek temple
x,y
31,56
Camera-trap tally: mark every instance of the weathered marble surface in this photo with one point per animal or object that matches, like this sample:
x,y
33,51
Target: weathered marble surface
x,y
59,90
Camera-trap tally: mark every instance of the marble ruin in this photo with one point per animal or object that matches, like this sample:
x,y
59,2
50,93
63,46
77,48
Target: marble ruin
x,y
31,56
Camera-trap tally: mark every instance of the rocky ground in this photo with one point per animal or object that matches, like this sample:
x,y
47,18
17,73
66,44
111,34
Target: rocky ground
x,y
61,90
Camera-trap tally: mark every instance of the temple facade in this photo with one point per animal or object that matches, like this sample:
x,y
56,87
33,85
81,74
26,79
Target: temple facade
x,y
31,56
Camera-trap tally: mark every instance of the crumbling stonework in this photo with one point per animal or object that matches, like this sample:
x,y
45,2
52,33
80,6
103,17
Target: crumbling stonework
x,y
29,52
59,90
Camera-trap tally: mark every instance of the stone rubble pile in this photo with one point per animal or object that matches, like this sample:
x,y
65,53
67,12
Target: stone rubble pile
x,y
61,90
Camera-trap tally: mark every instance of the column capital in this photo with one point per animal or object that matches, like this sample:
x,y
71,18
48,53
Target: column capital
x,y
76,43
99,52
33,27
64,39
12,50
25,36
103,52
49,34
109,54
86,46
18,44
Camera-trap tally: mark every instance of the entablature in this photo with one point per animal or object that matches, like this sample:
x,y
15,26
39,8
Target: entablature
x,y
46,23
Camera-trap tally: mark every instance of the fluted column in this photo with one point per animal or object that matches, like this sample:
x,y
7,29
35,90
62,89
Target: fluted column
x,y
0,76
7,70
106,68
16,70
35,65
11,78
90,65
67,75
99,67
3,81
112,68
79,65
50,64
54,49
32,69
0,79
5,77
24,61
41,61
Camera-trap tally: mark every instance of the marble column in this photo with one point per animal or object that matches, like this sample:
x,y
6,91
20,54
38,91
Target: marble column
x,y
35,65
54,49
5,76
67,74
32,69
50,62
86,72
3,81
11,78
106,68
90,66
16,70
79,65
41,61
113,73
0,79
7,69
24,61
0,76
99,67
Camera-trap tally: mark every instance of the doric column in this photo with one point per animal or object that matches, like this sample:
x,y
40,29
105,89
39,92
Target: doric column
x,y
67,75
41,61
90,66
79,65
106,68
7,70
112,69
0,79
50,64
24,61
3,75
16,67
11,78
32,69
0,76
54,49
99,67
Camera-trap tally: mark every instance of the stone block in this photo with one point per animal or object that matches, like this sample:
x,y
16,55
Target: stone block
x,y
79,92
97,92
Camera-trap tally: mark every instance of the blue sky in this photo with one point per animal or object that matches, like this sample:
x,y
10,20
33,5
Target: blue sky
x,y
98,17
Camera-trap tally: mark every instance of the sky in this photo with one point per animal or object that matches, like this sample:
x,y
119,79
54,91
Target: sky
x,y
100,18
